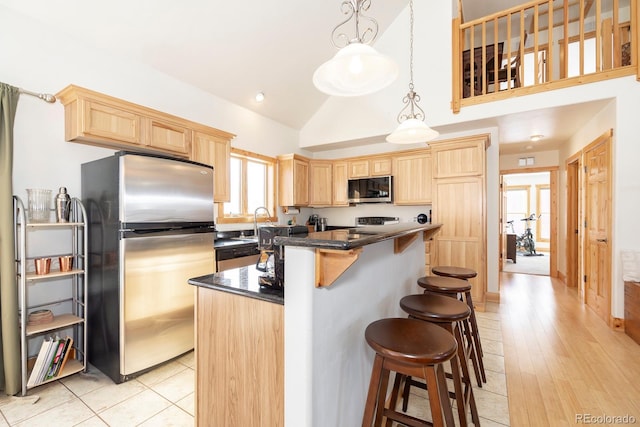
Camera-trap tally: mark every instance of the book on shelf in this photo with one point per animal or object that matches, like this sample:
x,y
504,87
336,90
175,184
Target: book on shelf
x,y
39,364
55,361
68,347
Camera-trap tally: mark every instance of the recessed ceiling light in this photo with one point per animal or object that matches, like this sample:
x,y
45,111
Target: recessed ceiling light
x,y
259,96
535,138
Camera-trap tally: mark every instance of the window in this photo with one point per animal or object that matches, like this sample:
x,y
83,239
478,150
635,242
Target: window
x,y
252,185
518,206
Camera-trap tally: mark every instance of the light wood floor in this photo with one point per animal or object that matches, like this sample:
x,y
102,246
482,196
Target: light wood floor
x,y
562,362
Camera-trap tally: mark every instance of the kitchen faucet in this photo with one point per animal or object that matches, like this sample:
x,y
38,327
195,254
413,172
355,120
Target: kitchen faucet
x,y
255,219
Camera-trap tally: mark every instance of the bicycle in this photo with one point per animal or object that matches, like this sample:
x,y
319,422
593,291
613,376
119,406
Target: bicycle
x,y
525,240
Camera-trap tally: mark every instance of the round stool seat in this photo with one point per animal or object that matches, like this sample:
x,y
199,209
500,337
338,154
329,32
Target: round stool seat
x,y
443,284
457,272
411,341
435,308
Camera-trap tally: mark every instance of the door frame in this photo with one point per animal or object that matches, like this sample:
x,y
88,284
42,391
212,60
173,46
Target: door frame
x,y
573,262
553,184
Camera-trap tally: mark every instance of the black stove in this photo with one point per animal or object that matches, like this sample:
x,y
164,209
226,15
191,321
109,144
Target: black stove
x,y
362,221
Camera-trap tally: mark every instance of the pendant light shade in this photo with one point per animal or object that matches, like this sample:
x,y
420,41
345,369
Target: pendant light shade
x,y
412,128
357,69
412,131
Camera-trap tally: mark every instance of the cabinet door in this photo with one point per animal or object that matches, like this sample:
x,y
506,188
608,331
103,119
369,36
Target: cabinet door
x,y
168,136
458,159
293,181
104,121
412,179
340,191
358,168
214,151
320,183
380,167
458,204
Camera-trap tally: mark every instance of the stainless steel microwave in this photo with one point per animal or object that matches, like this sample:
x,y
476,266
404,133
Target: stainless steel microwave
x,y
377,189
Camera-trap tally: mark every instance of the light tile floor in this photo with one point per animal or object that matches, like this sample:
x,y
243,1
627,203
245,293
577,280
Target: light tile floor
x,y
491,399
165,397
162,397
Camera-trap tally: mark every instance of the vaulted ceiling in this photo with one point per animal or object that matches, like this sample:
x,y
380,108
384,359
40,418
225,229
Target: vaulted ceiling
x,y
232,49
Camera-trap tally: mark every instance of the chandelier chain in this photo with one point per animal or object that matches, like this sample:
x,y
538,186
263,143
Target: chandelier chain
x,y
411,45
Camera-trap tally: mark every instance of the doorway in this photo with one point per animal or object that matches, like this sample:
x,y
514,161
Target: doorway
x,y
529,221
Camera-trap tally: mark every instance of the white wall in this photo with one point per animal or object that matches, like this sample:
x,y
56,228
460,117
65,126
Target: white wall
x,y
42,61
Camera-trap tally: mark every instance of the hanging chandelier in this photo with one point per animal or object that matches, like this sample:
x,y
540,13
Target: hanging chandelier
x,y
357,69
412,128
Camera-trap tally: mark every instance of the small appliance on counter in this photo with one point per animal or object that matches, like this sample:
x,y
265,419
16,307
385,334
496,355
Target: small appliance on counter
x,y
272,256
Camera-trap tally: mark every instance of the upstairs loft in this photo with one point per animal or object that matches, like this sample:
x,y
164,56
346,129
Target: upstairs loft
x,y
543,45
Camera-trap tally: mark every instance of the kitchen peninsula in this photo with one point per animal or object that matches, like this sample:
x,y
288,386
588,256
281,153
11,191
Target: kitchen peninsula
x,y
304,363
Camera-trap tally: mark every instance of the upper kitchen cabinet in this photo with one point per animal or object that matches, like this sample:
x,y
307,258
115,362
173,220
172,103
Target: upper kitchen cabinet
x,y
340,184
98,119
373,166
214,150
293,180
459,158
167,136
412,179
320,183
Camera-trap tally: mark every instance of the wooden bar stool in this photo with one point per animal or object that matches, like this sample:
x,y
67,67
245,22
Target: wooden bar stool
x,y
455,288
409,347
451,315
463,274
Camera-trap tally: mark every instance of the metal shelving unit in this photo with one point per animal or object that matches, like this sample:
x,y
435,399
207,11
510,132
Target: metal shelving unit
x,y
74,319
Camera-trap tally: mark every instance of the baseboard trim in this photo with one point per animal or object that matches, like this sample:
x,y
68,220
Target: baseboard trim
x,y
617,324
493,297
562,277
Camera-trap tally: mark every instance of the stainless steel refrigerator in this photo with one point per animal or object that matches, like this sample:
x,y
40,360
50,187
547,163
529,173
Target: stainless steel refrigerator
x,y
151,228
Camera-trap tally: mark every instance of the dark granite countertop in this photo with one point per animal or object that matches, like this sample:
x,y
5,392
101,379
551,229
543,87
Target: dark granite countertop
x,y
241,281
355,237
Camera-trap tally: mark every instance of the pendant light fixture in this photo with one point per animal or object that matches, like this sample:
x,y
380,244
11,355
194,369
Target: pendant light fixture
x,y
357,69
412,128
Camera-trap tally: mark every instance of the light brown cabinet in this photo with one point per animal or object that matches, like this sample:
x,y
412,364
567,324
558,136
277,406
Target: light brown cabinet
x,y
167,136
215,151
375,166
340,184
412,179
293,180
320,183
98,119
239,360
459,205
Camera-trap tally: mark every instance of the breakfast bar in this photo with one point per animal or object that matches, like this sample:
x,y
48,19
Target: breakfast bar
x,y
324,361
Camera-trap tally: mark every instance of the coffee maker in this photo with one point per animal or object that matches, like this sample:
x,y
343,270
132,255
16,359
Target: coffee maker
x,y
274,276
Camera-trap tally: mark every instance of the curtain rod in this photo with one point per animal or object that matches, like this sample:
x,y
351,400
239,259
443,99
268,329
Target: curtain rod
x,y
47,97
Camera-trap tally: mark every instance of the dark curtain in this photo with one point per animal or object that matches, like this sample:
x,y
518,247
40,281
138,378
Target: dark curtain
x,y
9,333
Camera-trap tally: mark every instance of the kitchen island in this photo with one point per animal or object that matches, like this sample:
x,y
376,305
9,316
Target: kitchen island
x,y
326,362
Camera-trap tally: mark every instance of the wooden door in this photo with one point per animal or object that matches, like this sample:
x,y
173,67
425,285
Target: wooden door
x,y
597,162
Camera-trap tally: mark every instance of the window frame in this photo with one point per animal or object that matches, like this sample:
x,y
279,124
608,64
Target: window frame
x,y
270,197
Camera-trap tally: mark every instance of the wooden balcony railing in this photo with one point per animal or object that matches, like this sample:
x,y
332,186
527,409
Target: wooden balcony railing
x,y
543,45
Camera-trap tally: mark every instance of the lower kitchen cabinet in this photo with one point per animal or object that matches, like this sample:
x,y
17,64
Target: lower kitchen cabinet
x,y
239,360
